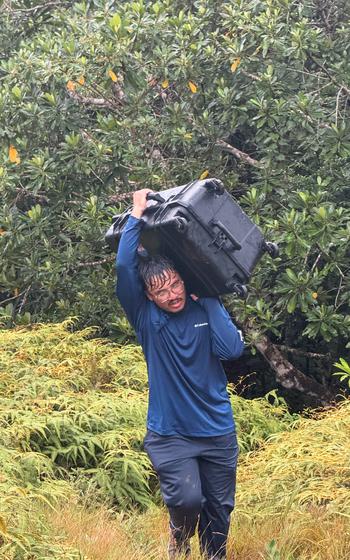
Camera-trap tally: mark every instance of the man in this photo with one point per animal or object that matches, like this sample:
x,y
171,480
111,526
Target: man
x,y
191,439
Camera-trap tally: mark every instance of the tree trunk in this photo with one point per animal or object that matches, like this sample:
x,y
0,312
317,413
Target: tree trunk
x,y
288,375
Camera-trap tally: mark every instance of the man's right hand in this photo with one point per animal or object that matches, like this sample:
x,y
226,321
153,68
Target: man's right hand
x,y
140,202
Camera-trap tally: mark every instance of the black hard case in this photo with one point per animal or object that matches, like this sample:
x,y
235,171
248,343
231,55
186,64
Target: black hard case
x,y
212,242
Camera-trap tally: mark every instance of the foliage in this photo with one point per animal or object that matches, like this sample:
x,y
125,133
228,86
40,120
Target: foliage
x,y
59,428
344,370
104,98
257,419
72,420
273,551
69,439
51,406
73,408
301,468
21,527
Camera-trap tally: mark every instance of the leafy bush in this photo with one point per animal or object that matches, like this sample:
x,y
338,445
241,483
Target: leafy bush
x,y
103,99
259,419
343,370
26,483
65,438
301,468
81,404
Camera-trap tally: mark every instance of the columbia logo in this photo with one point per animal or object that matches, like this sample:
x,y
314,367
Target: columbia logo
x,y
201,325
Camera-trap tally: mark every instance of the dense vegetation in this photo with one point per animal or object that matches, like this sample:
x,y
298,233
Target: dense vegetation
x,y
100,98
72,415
97,99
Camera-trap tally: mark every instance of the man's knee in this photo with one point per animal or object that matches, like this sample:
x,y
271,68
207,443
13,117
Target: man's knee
x,y
181,487
181,497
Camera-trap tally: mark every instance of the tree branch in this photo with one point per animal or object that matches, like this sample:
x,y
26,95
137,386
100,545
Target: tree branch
x,y
11,298
238,154
316,261
24,299
288,375
252,76
95,101
95,263
339,287
337,107
119,197
40,7
341,86
300,352
312,121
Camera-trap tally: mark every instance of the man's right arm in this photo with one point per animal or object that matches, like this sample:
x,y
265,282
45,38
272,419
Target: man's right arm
x,y
130,291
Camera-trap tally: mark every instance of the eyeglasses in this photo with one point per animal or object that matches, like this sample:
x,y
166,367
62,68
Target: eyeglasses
x,y
164,294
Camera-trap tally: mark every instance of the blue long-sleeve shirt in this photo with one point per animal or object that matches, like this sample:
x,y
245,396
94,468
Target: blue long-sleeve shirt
x,y
187,383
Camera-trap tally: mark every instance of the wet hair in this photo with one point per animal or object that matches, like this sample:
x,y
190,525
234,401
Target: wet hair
x,y
154,266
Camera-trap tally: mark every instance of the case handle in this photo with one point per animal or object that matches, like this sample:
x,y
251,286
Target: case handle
x,y
236,244
155,196
214,184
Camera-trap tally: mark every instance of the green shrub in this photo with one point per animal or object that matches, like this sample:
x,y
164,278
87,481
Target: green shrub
x,y
101,99
79,405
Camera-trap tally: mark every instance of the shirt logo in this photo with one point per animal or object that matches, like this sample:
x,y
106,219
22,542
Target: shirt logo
x,y
201,325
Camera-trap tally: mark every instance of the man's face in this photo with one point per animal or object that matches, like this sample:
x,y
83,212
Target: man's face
x,y
168,293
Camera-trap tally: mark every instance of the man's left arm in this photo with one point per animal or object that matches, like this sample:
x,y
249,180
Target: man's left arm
x,y
227,340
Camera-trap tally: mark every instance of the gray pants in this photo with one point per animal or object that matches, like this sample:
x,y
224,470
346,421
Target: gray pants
x,y
197,480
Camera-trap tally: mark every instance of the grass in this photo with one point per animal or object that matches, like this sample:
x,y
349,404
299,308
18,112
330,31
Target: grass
x,y
293,503
305,467
75,484
310,534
